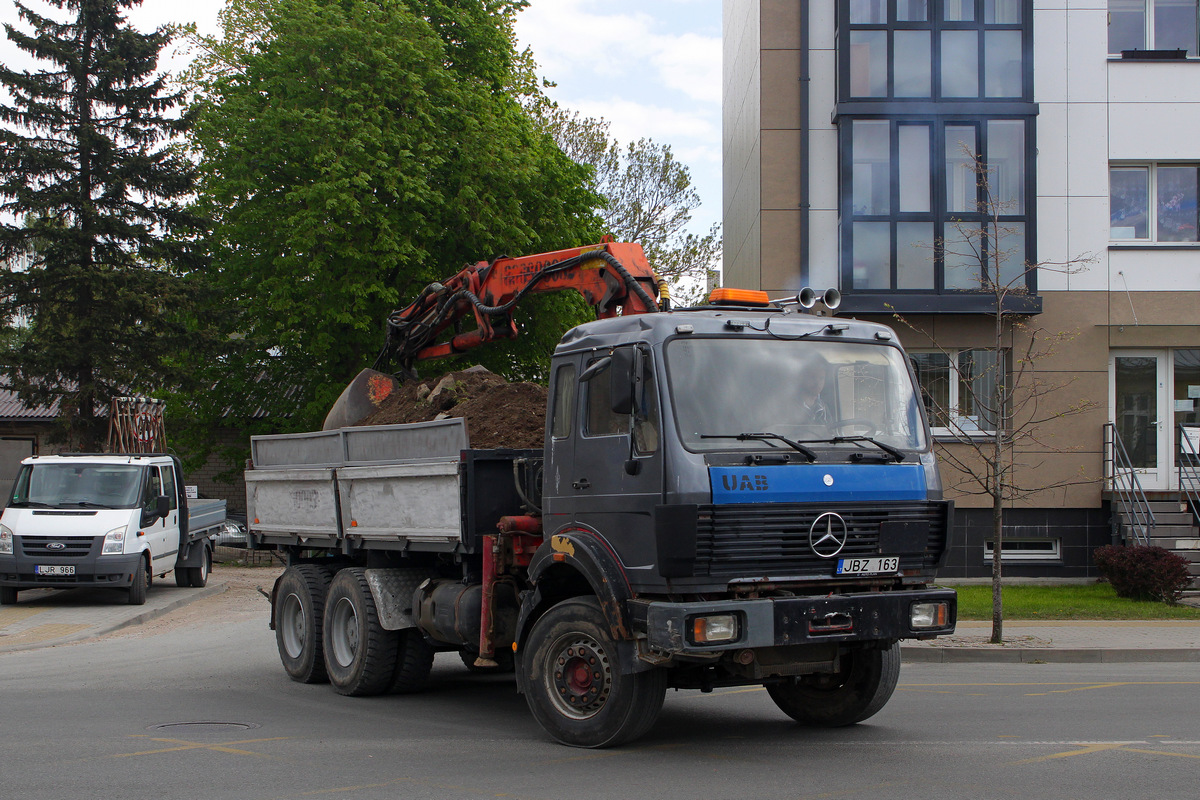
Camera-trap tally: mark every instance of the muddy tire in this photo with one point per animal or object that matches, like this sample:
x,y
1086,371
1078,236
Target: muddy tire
x,y
414,660
360,656
857,691
299,611
573,682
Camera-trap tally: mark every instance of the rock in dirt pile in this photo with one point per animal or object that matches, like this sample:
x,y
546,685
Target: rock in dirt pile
x,y
498,413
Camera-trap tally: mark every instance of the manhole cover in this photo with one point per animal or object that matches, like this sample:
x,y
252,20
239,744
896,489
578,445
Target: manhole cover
x,y
203,727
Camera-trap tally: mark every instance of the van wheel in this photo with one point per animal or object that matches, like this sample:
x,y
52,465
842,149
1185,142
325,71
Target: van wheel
x,y
360,656
198,576
299,611
855,692
574,685
181,577
140,584
8,595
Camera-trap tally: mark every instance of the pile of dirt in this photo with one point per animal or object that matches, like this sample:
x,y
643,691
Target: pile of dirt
x,y
498,413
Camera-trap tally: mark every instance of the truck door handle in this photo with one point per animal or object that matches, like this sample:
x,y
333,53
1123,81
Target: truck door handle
x,y
582,483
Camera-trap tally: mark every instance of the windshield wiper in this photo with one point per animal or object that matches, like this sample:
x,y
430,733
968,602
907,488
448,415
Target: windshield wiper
x,y
887,448
87,504
765,437
30,504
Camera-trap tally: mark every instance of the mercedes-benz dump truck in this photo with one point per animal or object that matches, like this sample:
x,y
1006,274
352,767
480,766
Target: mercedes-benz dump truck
x,y
732,495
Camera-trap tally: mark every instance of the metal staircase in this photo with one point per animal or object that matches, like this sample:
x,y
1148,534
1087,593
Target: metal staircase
x,y
1162,519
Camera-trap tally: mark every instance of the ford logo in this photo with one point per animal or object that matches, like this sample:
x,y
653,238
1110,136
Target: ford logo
x,y
56,546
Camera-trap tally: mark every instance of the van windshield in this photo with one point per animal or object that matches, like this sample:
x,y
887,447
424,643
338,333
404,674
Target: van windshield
x,y
77,486
835,394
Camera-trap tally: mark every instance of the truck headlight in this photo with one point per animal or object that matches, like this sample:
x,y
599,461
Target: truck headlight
x,y
114,542
929,615
6,541
714,628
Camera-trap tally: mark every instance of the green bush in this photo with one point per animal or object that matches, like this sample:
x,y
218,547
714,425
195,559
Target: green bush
x,y
1144,573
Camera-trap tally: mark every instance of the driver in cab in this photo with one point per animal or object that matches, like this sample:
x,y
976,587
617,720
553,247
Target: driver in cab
x,y
812,410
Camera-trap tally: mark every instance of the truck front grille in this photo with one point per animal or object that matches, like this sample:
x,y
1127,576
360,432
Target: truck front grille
x,y
761,540
73,547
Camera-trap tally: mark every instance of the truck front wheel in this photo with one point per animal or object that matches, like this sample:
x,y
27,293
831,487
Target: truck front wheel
x,y
8,595
574,684
360,656
299,611
855,692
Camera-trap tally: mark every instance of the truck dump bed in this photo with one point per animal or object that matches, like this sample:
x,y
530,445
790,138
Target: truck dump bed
x,y
395,486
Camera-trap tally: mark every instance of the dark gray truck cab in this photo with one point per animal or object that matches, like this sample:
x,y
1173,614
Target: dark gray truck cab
x,y
679,479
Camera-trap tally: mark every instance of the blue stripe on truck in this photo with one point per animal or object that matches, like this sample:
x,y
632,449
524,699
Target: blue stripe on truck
x,y
807,483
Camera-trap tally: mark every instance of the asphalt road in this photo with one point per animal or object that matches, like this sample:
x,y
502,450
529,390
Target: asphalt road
x,y
195,705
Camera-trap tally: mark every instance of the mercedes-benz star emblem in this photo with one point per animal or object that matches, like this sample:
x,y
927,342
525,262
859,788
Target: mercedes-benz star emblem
x,y
828,535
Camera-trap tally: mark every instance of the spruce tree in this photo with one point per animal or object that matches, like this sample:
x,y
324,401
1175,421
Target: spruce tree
x,y
93,191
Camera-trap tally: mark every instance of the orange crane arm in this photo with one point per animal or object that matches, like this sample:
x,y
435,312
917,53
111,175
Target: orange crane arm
x,y
613,277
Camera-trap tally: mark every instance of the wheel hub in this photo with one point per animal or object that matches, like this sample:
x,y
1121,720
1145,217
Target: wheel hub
x,y
582,678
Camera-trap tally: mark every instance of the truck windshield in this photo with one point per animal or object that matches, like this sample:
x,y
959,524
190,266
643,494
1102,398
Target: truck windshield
x,y
840,394
77,486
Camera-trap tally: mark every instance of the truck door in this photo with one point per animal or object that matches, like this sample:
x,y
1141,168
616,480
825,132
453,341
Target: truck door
x,y
162,533
616,479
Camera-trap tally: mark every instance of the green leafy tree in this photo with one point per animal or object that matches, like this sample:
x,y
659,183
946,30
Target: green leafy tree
x,y
89,170
649,197
352,153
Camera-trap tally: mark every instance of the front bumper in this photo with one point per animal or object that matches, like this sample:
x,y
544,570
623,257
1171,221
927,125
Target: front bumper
x,y
115,571
787,621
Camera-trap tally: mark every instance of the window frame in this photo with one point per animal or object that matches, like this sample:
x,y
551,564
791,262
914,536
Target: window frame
x,y
936,25
939,214
961,427
1149,42
1008,555
1152,210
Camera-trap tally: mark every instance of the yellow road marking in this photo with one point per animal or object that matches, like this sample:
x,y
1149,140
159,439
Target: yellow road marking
x,y
1077,689
1089,749
220,747
10,615
44,633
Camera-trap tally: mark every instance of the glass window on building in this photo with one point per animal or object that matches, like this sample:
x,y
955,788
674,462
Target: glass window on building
x,y
1152,25
959,390
1154,202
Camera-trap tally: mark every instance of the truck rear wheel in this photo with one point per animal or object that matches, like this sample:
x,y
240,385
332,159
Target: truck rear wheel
x,y
360,656
140,583
299,612
857,691
573,681
414,660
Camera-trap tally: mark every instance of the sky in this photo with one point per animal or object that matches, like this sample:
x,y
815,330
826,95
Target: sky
x,y
652,68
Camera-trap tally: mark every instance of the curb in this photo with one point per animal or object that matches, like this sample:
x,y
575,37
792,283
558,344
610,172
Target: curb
x,y
1045,655
106,628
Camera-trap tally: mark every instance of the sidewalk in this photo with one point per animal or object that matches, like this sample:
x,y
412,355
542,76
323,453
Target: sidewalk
x,y
47,617
1064,641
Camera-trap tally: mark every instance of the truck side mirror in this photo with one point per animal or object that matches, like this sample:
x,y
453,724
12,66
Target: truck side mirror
x,y
621,387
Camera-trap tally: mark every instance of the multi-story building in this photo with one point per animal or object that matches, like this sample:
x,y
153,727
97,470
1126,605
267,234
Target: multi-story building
x,y
850,128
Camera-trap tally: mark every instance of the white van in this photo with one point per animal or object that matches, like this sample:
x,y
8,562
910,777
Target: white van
x,y
103,520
